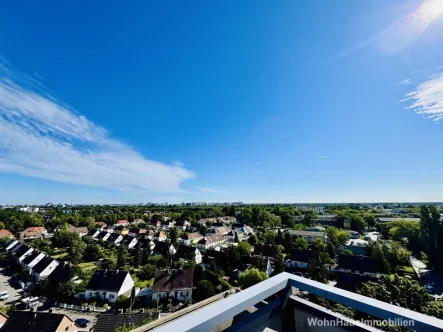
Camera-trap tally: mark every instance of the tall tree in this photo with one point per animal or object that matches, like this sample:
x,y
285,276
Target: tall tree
x,y
432,230
173,234
250,277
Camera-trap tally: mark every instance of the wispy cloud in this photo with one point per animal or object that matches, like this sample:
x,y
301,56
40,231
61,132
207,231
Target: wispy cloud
x,y
427,98
207,190
322,157
399,34
406,81
42,137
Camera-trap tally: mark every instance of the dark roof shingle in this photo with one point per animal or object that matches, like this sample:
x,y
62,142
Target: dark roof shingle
x,y
110,281
32,322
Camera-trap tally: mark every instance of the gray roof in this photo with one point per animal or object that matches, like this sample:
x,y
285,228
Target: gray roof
x,y
306,233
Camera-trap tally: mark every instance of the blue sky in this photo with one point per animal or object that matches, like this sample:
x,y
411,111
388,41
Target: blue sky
x,y
254,101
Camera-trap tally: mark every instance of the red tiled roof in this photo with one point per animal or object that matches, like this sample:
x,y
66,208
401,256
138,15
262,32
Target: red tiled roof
x,y
101,223
5,233
122,222
35,229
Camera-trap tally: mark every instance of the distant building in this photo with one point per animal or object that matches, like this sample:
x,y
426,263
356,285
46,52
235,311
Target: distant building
x,y
220,258
164,248
186,253
108,285
382,220
211,241
129,241
103,236
299,258
114,238
176,284
122,223
5,233
265,250
316,229
160,236
191,238
44,268
101,224
38,321
354,234
309,236
32,233
361,265
80,231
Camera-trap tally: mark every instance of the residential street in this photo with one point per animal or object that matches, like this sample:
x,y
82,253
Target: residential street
x,y
8,284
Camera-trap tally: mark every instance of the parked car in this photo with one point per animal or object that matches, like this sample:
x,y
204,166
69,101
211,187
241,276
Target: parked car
x,y
4,295
82,322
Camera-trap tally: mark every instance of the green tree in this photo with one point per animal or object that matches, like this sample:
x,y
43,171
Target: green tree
x,y
147,272
76,252
204,290
93,252
122,256
301,243
253,239
244,248
432,232
173,235
347,252
317,267
337,237
357,223
250,277
203,230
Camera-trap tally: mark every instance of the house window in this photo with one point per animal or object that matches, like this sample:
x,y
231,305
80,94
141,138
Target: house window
x,y
182,282
111,296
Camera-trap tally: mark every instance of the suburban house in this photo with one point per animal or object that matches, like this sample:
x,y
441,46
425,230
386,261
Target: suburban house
x,y
299,258
150,235
160,236
140,232
361,265
101,224
155,223
109,285
122,223
308,235
129,241
15,247
265,251
242,229
185,253
220,258
231,235
211,241
247,262
81,231
103,235
146,244
32,233
94,232
38,321
137,221
31,260
191,238
22,252
5,233
357,247
122,231
167,224
175,284
220,230
164,248
62,273
11,244
44,268
182,225
217,225
114,238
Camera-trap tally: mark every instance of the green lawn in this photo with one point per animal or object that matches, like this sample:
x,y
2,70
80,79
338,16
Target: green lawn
x,y
87,266
58,254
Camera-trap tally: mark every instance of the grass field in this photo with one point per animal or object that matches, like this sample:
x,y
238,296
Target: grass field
x,y
87,266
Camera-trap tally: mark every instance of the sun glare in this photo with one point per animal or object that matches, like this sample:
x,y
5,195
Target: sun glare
x,y
429,10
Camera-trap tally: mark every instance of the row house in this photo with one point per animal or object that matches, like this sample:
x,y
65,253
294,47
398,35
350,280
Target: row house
x,y
267,251
129,241
114,239
160,236
175,284
299,258
191,238
182,225
211,241
187,253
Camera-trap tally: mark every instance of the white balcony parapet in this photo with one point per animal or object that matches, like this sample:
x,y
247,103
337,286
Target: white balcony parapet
x,y
215,314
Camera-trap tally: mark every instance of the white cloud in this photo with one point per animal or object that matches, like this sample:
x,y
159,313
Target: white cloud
x,y
427,98
207,190
322,157
43,138
406,81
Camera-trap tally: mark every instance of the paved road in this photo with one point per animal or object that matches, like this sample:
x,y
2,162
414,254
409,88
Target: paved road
x,y
8,284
